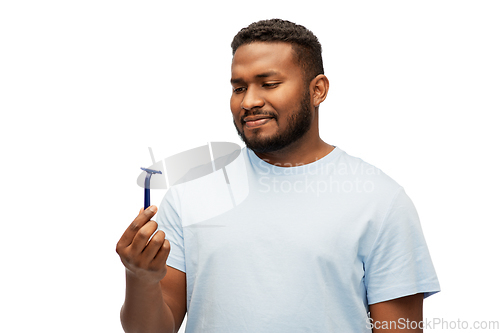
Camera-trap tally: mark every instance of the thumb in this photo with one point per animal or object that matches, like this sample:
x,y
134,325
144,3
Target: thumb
x,y
150,211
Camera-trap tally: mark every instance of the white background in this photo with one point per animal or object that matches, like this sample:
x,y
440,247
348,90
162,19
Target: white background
x,y
87,86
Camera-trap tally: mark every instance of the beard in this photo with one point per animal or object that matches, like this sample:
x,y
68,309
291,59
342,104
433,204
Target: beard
x,y
298,124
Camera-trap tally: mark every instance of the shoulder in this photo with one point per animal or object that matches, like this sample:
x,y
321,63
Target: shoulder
x,y
369,179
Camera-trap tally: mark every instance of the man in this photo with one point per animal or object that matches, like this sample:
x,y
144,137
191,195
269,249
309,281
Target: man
x,y
316,240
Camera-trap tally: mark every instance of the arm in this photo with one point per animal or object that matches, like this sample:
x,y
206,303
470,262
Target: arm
x,y
405,314
155,297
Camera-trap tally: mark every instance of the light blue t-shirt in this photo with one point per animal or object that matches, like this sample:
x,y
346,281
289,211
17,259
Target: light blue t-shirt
x,y
294,249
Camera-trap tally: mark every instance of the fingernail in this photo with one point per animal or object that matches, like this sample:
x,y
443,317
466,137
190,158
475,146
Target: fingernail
x,y
152,209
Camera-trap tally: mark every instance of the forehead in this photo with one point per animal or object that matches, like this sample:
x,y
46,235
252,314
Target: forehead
x,y
260,57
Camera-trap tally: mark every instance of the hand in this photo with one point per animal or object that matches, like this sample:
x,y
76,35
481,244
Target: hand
x,y
144,260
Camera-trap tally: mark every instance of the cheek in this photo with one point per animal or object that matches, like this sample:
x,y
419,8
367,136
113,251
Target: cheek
x,y
235,107
287,100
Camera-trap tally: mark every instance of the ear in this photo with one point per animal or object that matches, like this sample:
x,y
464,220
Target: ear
x,y
319,89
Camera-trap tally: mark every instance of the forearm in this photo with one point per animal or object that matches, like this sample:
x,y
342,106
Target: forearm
x,y
144,309
406,313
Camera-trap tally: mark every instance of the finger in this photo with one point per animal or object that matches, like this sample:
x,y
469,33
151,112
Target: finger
x,y
141,219
162,255
154,245
142,236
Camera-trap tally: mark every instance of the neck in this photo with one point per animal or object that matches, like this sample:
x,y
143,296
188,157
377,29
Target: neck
x,y
297,154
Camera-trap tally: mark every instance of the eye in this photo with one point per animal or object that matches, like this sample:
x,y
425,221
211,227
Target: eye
x,y
270,85
238,90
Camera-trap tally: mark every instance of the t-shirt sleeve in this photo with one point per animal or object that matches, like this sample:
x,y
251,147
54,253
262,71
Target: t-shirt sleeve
x,y
168,219
399,263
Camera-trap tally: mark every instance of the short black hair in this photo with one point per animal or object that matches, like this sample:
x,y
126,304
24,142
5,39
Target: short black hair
x,y
305,44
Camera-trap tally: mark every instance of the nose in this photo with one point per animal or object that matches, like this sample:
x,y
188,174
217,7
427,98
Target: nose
x,y
252,99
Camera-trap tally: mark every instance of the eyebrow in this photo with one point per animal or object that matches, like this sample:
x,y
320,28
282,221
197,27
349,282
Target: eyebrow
x,y
259,76
267,74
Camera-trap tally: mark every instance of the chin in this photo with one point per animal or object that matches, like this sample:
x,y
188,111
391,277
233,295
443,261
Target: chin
x,y
266,144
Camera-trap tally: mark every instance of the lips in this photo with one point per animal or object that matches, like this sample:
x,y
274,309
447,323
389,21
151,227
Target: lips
x,y
255,121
